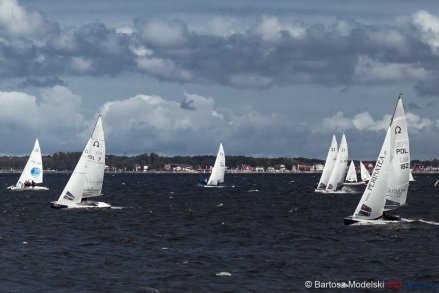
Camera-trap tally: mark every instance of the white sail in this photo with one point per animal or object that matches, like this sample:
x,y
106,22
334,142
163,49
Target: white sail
x,y
72,193
95,163
338,174
371,205
411,177
398,181
365,176
329,164
351,176
219,168
33,171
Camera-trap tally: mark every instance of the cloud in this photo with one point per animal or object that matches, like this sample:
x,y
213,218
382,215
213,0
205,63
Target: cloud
x,y
40,83
428,25
149,123
16,22
268,52
161,33
368,70
54,117
364,121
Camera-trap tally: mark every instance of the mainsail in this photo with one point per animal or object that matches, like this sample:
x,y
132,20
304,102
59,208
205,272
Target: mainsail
x,y
72,192
33,171
96,162
219,168
371,204
331,158
398,181
351,176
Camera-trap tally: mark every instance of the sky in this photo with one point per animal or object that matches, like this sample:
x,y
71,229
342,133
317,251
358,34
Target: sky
x,y
267,78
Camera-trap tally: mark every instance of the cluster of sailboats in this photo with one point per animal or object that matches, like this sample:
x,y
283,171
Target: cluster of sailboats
x,y
84,184
334,176
385,189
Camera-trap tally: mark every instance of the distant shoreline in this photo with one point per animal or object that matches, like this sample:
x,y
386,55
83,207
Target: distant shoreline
x,y
194,173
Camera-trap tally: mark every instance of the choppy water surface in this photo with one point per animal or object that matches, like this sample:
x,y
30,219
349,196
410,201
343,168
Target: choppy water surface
x,y
269,233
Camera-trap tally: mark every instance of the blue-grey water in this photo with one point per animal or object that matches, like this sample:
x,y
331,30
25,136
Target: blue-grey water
x,y
268,233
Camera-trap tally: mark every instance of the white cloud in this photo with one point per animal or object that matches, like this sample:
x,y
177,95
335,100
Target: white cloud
x,y
55,118
163,68
419,123
18,109
369,70
164,34
270,29
15,21
81,65
429,28
364,121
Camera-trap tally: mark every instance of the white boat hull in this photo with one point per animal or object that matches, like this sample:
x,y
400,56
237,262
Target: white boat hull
x,y
30,188
82,205
354,183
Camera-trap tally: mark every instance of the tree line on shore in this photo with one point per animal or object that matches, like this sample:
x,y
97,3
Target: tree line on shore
x,y
65,161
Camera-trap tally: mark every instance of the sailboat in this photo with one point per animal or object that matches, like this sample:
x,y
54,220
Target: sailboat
x,y
88,176
388,186
218,171
32,173
329,166
351,176
335,182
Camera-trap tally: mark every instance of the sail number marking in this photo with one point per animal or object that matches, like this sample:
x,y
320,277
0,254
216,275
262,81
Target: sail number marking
x,y
405,166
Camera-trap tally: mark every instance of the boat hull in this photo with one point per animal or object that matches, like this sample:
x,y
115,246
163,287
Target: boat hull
x,y
35,188
82,205
362,183
384,219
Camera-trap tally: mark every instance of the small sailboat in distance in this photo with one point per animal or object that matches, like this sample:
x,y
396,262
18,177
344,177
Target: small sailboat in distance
x,y
388,186
87,178
32,173
351,176
218,171
329,166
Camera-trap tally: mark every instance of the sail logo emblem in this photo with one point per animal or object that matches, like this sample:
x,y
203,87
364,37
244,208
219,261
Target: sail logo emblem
x,y
35,171
96,143
365,211
397,130
69,196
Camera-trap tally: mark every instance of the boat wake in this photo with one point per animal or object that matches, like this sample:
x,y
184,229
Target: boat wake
x,y
116,208
429,222
403,221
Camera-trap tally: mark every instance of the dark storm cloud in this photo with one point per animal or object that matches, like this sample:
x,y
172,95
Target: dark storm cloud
x,y
271,53
187,104
46,82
